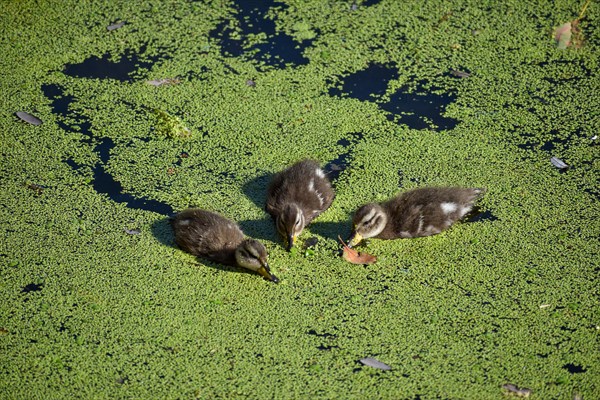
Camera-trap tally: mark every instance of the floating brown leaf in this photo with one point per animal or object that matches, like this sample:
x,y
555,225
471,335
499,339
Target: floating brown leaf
x,y
33,120
354,257
519,392
371,362
562,35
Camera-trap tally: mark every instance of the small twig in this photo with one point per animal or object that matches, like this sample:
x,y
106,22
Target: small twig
x,y
587,3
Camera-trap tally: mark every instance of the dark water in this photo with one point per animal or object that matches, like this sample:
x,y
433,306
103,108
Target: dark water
x,y
124,69
103,182
277,51
32,287
419,109
574,369
368,84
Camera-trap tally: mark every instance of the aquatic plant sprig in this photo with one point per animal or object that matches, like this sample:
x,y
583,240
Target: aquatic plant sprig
x,y
170,125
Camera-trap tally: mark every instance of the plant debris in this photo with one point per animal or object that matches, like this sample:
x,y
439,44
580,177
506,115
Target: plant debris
x,y
38,189
164,82
33,120
371,362
460,74
569,34
132,231
354,257
562,35
115,26
558,163
171,126
514,390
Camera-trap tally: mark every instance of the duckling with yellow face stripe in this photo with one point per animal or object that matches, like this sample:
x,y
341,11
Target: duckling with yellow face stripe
x,y
296,196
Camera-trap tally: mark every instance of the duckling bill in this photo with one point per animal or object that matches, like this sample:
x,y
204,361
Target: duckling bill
x,y
296,196
416,213
209,235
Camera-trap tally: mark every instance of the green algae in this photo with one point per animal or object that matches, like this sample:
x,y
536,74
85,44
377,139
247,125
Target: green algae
x,y
171,126
456,315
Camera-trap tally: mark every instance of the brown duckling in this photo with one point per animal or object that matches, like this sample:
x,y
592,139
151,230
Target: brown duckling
x,y
296,196
416,213
208,234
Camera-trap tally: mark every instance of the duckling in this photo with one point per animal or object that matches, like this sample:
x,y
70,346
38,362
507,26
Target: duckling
x,y
416,213
208,234
296,196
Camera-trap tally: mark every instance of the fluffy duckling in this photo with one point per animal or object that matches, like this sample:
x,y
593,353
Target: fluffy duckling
x,y
296,196
207,234
419,212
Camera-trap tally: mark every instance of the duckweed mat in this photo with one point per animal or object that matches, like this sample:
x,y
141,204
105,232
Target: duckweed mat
x,y
151,107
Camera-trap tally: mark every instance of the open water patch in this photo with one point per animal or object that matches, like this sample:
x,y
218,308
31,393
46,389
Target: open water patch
x,y
368,84
102,182
419,109
105,183
277,50
126,69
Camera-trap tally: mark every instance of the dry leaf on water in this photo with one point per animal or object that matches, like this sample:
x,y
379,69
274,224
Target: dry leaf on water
x,y
569,34
562,35
371,362
33,120
514,390
115,26
163,82
354,257
558,163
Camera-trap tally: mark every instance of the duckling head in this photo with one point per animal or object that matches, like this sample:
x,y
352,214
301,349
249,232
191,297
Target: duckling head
x,y
252,254
290,223
368,221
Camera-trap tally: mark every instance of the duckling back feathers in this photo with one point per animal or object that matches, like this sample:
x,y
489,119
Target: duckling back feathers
x,y
426,211
207,234
303,184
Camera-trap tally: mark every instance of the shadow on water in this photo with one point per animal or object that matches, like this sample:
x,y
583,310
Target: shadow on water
x,y
123,70
277,51
161,229
262,229
476,215
331,230
256,189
